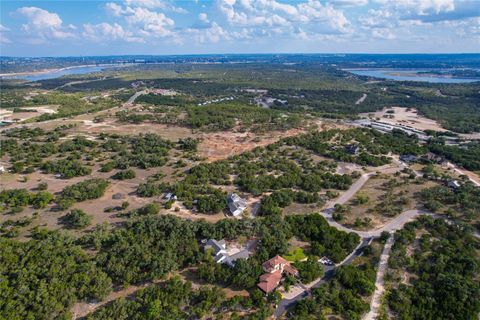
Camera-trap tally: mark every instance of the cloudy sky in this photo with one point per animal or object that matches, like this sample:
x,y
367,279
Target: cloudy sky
x,y
66,27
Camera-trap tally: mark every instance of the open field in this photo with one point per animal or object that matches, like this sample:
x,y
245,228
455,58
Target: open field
x,y
405,116
383,199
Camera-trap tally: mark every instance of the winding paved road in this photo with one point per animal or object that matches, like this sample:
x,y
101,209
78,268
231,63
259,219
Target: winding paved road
x,y
367,236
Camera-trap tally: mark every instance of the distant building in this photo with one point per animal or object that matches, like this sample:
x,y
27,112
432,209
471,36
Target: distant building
x,y
408,158
170,196
274,269
454,184
353,149
236,205
432,157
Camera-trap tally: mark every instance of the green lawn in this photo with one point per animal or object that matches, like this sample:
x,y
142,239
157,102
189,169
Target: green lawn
x,y
295,255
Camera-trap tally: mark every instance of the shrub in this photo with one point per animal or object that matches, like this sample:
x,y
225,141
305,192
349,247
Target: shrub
x,y
124,175
77,219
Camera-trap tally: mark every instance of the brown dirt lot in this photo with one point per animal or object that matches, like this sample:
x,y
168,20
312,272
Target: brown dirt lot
x,y
374,190
221,145
406,116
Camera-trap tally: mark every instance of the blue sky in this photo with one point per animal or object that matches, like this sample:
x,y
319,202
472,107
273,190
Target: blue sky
x,y
66,27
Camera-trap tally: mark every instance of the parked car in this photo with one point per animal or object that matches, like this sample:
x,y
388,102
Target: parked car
x,y
326,261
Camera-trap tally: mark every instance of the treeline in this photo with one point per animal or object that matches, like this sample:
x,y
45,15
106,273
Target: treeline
x,y
43,277
157,99
466,156
258,171
14,200
225,116
85,190
462,202
372,145
344,295
175,299
66,168
142,151
324,240
46,275
445,267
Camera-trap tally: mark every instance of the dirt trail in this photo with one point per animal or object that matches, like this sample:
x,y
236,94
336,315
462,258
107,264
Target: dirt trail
x,y
361,99
83,309
376,302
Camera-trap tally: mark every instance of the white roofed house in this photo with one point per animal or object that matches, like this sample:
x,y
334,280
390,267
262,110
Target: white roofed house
x,y
222,254
236,205
454,184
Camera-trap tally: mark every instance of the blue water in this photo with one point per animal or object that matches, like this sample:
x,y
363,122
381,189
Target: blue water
x,y
386,74
59,73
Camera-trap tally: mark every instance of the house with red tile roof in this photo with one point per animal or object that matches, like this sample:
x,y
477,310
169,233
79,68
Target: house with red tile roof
x,y
275,269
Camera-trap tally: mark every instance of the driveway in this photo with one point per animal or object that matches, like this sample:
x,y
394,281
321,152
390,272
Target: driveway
x,y
286,304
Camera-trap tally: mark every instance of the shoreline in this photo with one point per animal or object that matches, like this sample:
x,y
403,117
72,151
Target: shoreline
x,y
412,73
46,71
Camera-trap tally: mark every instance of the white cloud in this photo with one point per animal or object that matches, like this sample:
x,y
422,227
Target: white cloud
x,y
151,4
282,16
107,32
349,3
421,7
142,20
203,17
383,34
316,12
43,24
243,13
155,4
114,9
213,34
3,37
152,22
378,19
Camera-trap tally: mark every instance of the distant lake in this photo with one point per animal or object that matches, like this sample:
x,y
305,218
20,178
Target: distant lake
x,y
60,73
407,75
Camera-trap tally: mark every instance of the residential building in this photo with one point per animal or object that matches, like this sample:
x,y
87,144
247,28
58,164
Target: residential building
x,y
408,158
223,255
454,184
432,157
353,149
236,205
170,196
275,269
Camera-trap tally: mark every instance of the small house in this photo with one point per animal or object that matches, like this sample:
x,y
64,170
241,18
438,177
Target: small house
x,y
407,158
353,149
454,184
236,205
433,158
223,255
170,196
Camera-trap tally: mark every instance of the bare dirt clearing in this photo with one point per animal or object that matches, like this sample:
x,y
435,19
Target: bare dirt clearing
x,y
9,115
377,208
221,145
405,116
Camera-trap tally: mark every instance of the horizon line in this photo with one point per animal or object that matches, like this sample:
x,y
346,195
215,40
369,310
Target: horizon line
x,y
241,54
